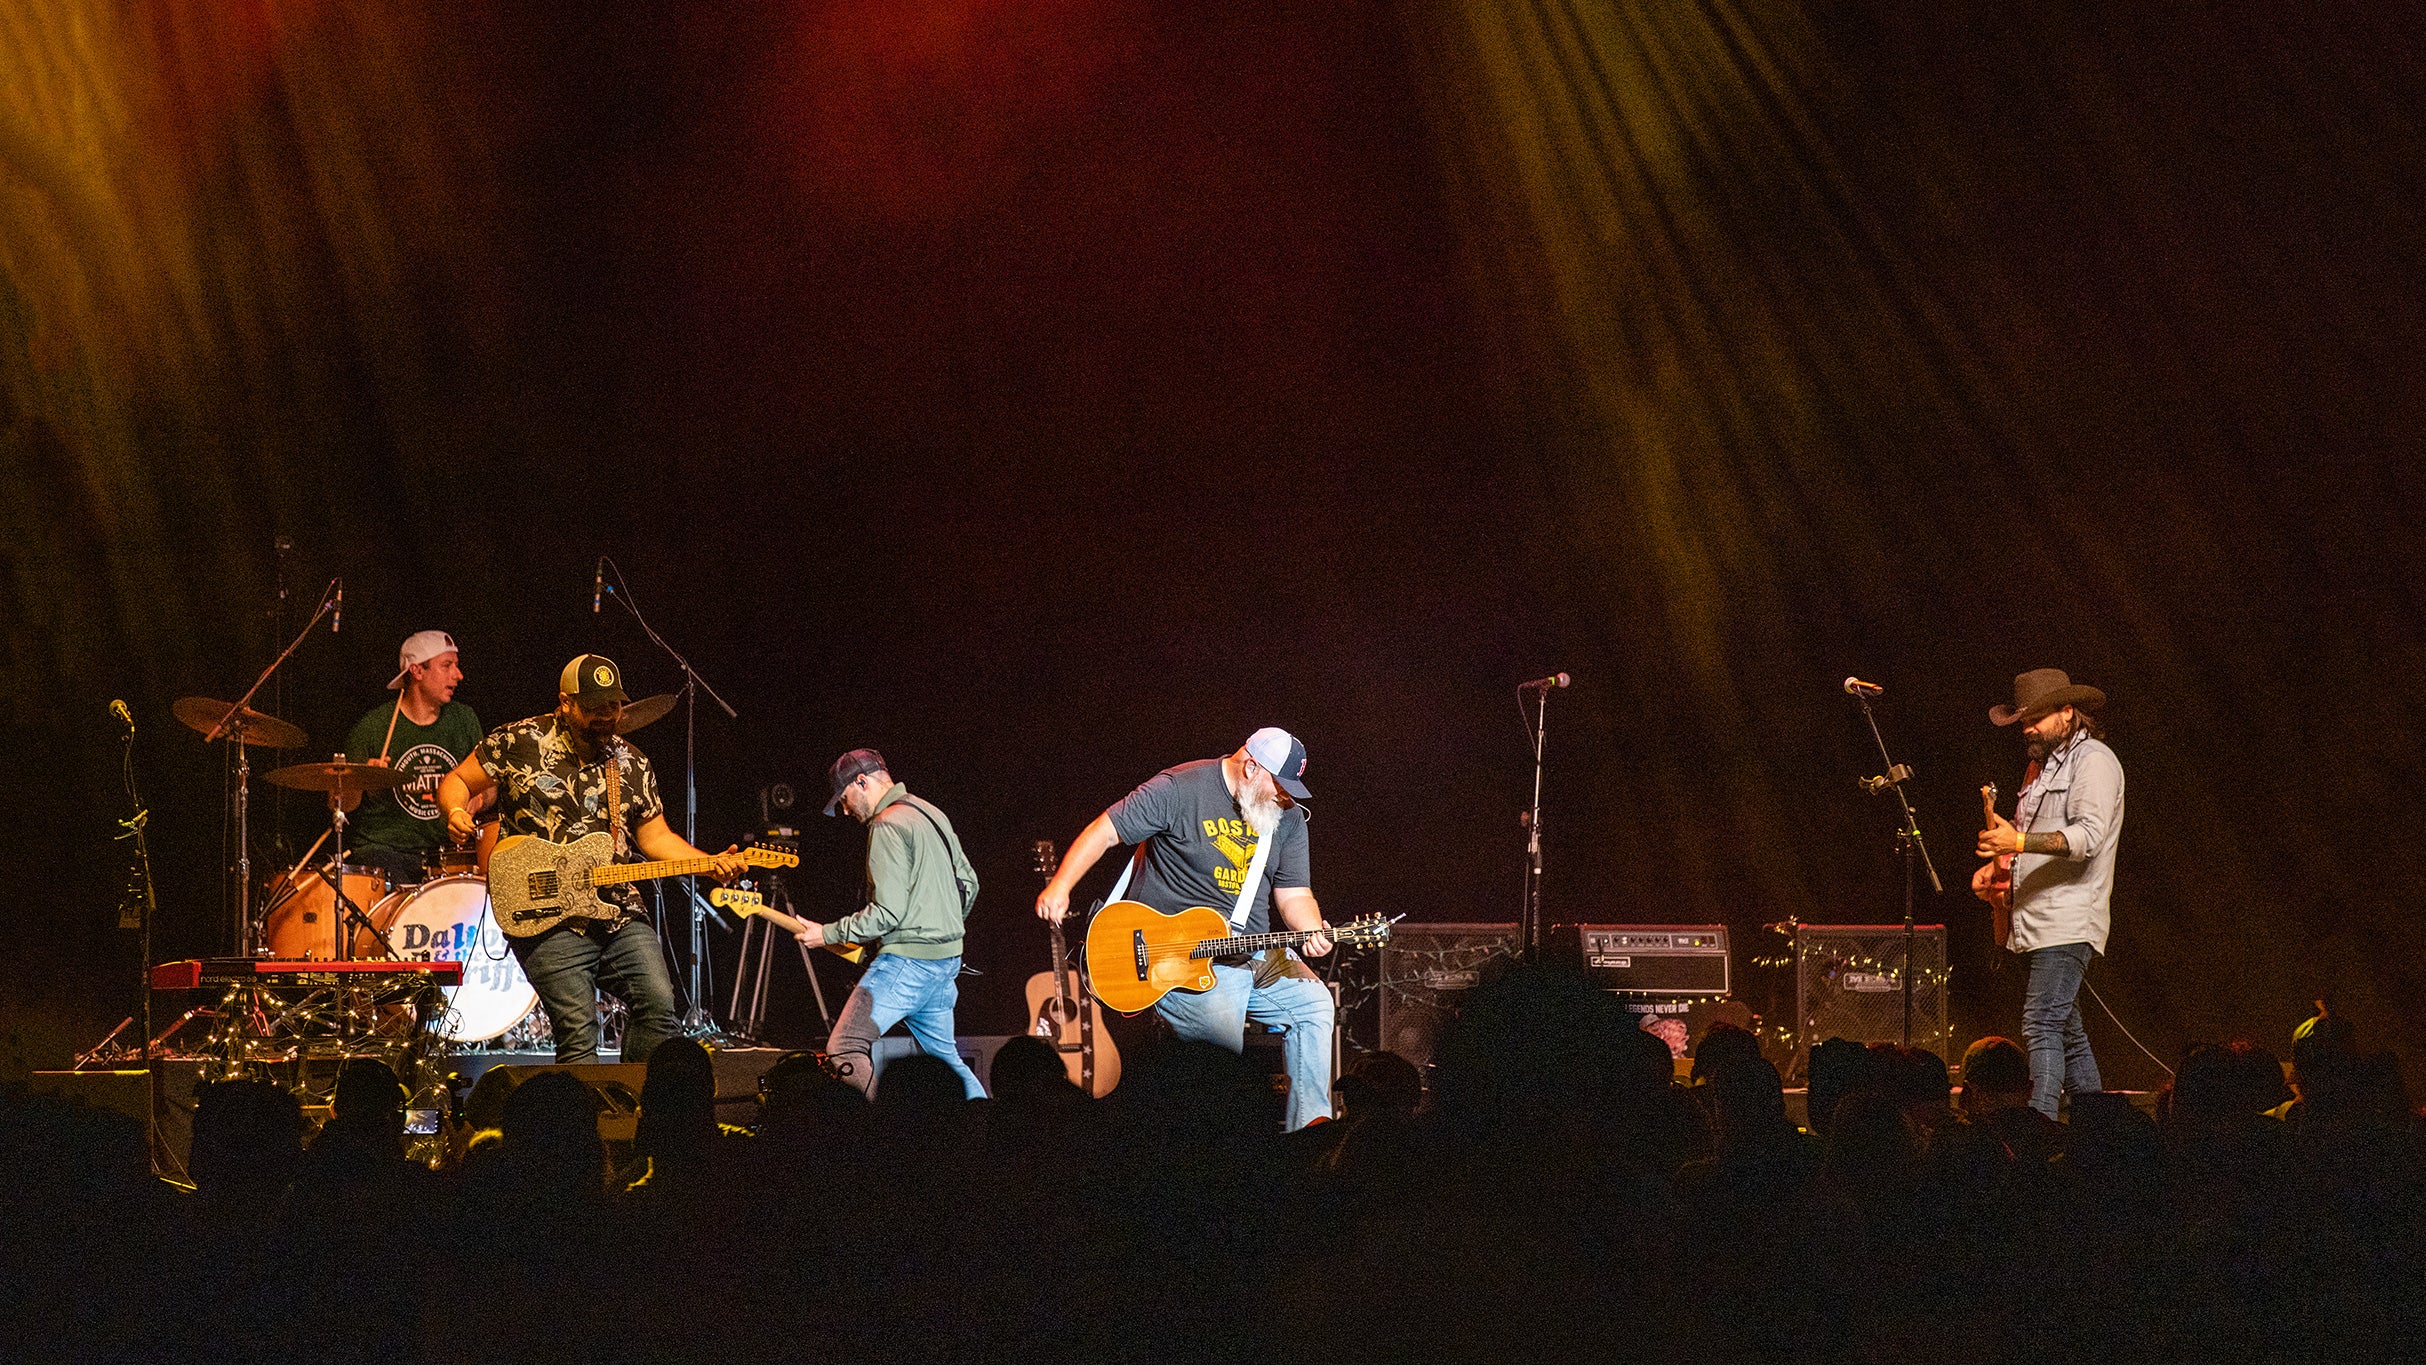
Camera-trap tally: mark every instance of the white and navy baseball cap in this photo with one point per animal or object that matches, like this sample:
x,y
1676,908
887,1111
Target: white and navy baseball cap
x,y
419,648
1279,753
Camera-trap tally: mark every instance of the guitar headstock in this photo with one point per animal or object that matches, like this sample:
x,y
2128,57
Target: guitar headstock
x,y
770,855
1988,797
1046,856
740,902
1371,931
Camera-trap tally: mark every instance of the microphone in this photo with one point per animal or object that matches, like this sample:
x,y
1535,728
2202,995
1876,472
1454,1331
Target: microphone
x,y
118,709
1543,684
1855,687
337,614
597,585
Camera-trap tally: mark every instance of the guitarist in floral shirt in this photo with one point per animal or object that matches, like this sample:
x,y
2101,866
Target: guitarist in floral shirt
x,y
552,775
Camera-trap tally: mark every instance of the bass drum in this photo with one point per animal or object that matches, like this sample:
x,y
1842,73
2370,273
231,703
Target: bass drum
x,y
303,927
448,920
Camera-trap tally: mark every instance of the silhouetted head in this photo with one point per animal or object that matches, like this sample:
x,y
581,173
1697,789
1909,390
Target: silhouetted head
x,y
919,1084
1839,1067
1197,1095
800,1100
1996,1075
1749,1099
2237,1080
1724,1045
2107,1134
2321,1045
248,1136
1379,1083
1540,1046
678,1100
1644,1066
681,1076
1873,1148
1914,1077
1028,1072
369,1097
551,1133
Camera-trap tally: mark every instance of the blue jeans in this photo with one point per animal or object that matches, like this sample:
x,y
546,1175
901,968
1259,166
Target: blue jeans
x,y
569,963
893,989
2051,1026
1300,1007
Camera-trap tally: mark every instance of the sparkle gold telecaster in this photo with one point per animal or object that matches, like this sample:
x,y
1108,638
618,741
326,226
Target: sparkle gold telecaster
x,y
536,884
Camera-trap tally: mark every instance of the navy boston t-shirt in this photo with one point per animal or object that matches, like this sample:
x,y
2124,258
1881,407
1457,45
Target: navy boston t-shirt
x,y
1200,844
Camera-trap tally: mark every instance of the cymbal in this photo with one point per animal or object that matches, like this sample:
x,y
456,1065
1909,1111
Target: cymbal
x,y
646,711
202,715
349,778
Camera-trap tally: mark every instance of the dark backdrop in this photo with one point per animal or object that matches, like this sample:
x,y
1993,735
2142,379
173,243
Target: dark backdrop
x,y
1046,393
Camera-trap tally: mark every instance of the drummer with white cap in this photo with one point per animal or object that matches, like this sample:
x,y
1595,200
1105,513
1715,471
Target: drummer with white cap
x,y
423,734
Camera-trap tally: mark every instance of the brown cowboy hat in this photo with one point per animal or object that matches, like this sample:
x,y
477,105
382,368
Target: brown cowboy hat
x,y
2042,690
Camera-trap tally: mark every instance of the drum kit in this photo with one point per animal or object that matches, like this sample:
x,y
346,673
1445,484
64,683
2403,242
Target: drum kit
x,y
334,910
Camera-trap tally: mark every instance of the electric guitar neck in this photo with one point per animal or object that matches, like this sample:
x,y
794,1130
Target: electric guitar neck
x,y
748,903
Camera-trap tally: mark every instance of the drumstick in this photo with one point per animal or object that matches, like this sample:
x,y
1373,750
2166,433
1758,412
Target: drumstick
x,y
391,729
300,863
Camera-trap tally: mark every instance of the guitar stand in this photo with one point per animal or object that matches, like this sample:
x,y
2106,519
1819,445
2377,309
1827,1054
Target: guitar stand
x,y
779,897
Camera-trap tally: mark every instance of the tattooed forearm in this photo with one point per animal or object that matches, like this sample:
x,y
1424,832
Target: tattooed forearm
x,y
2050,842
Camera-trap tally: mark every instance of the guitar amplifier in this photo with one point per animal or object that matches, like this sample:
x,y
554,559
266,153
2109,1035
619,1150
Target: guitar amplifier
x,y
1849,983
1427,971
1674,960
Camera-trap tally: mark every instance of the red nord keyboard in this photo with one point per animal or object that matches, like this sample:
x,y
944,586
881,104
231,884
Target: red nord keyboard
x,y
220,971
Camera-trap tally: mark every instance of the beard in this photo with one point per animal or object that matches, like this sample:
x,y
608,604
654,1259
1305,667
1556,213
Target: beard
x,y
589,736
2039,746
1262,813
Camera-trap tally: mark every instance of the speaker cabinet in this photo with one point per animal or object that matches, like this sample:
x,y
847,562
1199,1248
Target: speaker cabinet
x,y
1849,983
1427,971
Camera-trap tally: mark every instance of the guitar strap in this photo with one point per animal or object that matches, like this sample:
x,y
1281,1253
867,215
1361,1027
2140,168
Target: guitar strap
x,y
952,852
1246,889
614,762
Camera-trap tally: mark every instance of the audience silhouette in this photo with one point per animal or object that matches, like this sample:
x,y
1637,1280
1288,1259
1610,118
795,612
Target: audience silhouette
x,y
1548,1190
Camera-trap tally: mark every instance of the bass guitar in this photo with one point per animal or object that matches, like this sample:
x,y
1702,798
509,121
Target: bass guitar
x,y
748,903
1136,954
1062,1013
536,884
2000,882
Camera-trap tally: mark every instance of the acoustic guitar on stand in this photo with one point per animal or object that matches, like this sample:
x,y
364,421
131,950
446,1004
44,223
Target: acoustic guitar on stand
x,y
1063,1013
1136,954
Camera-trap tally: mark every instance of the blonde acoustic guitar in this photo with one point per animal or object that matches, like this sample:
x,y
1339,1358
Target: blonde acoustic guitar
x,y
1136,954
1062,1013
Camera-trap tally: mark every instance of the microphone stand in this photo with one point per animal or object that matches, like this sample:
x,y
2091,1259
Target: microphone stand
x,y
1916,852
233,727
1530,931
696,1022
138,901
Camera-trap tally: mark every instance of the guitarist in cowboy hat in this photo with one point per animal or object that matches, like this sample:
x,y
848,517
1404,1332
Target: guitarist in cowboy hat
x,y
2067,827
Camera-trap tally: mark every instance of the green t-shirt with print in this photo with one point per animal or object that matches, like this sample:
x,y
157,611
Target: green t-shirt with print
x,y
407,818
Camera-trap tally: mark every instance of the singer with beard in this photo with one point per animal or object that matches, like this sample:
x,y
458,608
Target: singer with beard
x,y
1197,827
550,774
2066,831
